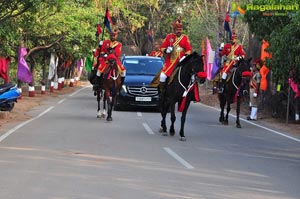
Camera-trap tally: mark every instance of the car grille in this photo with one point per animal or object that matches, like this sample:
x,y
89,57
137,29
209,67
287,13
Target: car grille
x,y
142,91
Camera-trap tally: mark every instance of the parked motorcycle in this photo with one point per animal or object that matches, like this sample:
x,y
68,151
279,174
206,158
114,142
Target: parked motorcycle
x,y
9,94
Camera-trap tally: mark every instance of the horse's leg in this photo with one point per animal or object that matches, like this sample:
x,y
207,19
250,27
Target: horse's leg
x,y
163,112
222,106
238,106
173,119
107,101
225,122
98,101
103,113
183,118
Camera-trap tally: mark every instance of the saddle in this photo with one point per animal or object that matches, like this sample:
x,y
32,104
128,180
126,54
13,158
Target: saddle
x,y
155,82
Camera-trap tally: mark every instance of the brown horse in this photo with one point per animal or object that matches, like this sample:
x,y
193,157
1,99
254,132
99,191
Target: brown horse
x,y
111,85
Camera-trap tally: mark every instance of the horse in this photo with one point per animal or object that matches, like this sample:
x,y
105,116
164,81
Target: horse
x,y
234,89
111,85
98,92
181,88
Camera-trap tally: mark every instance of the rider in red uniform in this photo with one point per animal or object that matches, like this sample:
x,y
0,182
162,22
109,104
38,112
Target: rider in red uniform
x,y
156,52
233,52
106,47
176,46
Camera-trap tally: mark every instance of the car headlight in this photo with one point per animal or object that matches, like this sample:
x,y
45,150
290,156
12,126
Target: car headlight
x,y
123,89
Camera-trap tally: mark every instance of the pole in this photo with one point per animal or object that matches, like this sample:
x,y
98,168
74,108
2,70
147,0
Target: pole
x,y
288,105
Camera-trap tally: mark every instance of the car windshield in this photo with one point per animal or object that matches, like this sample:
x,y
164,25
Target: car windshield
x,y
140,66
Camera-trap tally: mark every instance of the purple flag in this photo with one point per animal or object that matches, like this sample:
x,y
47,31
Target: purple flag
x,y
216,64
24,74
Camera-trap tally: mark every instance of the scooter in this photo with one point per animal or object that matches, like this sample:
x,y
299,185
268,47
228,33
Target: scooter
x,y
9,94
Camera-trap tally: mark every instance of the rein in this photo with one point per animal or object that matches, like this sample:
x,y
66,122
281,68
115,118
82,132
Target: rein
x,y
191,83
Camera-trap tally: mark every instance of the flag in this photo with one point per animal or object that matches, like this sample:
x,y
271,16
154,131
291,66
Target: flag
x,y
264,69
3,68
52,66
226,25
99,30
216,64
24,74
209,59
89,63
150,38
204,54
107,20
264,54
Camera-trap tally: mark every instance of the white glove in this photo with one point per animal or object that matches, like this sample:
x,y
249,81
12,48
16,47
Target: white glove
x,y
169,49
100,43
222,45
254,94
105,55
238,58
182,58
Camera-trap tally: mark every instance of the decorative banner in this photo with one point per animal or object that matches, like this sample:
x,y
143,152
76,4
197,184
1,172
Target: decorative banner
x,y
4,62
107,20
24,74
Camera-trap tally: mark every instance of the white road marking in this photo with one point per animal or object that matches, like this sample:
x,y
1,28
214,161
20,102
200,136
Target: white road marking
x,y
5,135
139,114
148,129
78,91
263,127
178,158
61,101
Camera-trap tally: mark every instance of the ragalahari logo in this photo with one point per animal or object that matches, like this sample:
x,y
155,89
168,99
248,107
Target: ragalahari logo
x,y
236,10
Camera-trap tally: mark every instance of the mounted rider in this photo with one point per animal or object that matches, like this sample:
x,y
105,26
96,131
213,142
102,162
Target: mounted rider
x,y
176,46
156,51
107,47
232,52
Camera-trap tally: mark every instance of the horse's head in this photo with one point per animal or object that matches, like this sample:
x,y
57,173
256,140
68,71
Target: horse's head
x,y
112,59
242,74
194,65
244,69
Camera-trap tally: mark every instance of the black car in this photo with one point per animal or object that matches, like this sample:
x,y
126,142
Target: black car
x,y
136,90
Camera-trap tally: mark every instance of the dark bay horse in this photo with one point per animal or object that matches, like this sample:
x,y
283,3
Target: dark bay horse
x,y
98,92
111,85
234,90
182,88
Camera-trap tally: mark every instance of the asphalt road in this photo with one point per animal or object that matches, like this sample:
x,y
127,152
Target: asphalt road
x,y
65,152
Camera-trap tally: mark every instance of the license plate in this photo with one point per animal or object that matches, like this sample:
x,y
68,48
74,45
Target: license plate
x,y
143,99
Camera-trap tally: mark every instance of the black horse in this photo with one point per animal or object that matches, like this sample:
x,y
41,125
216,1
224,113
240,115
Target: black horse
x,y
235,88
182,89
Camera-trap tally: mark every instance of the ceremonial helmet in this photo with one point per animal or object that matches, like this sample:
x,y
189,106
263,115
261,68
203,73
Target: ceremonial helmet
x,y
178,23
233,36
113,33
258,63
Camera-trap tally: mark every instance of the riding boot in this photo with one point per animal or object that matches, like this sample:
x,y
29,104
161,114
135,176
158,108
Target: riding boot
x,y
221,85
162,90
122,80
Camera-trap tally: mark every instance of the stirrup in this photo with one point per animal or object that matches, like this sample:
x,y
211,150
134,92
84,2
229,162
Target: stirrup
x,y
221,90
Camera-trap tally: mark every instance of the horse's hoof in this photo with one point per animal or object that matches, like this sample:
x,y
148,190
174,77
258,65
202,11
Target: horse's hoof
x,y
98,116
238,126
172,133
225,123
162,130
164,134
109,119
182,138
102,115
221,119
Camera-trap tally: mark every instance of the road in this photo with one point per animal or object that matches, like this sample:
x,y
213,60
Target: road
x,y
65,152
